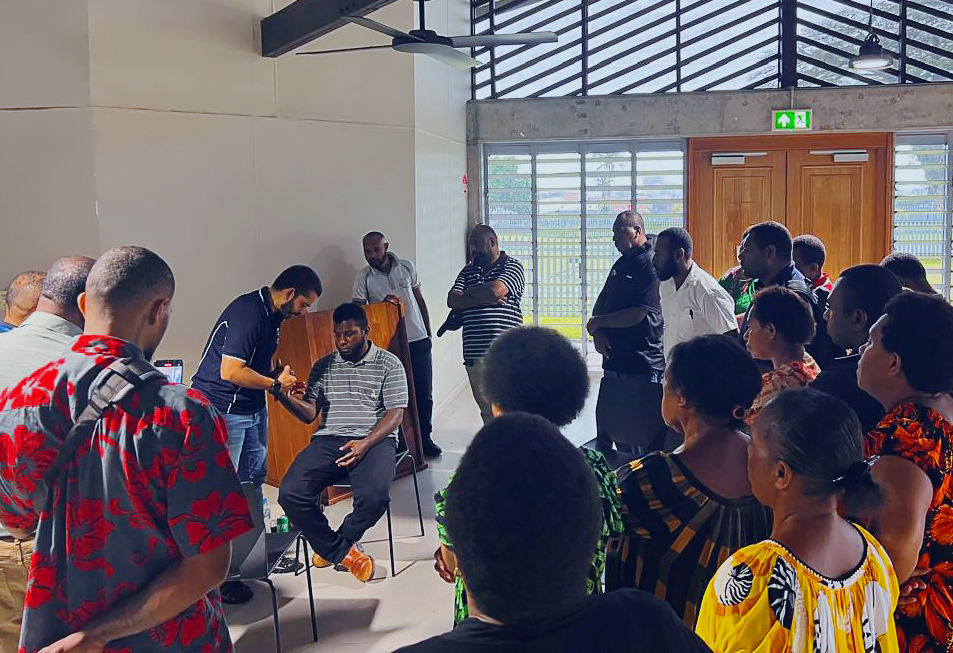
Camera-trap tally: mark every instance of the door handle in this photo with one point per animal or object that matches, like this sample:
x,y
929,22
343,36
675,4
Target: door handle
x,y
844,156
732,158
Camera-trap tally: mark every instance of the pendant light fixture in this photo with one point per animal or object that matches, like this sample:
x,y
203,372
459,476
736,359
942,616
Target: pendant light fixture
x,y
872,55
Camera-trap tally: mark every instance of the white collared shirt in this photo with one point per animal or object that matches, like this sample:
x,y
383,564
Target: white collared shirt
x,y
700,307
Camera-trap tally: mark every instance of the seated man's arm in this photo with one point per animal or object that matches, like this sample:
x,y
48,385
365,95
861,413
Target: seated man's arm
x,y
355,449
170,593
304,406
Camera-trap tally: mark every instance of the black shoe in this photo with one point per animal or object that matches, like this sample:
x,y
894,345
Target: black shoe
x,y
288,565
431,450
235,592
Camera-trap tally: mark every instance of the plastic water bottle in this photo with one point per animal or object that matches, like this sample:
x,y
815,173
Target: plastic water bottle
x,y
269,522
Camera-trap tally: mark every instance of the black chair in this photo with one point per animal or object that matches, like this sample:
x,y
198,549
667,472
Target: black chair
x,y
629,414
403,451
255,555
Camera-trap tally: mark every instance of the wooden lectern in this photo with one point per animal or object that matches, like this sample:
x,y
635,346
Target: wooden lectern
x,y
304,341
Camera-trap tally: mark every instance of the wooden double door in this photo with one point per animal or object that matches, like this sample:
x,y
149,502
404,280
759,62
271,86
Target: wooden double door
x,y
837,187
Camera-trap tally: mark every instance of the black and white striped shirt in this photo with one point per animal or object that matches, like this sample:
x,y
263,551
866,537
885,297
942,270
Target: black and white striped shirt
x,y
353,397
482,325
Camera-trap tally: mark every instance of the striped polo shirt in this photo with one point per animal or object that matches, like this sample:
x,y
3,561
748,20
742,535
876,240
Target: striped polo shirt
x,y
353,397
482,325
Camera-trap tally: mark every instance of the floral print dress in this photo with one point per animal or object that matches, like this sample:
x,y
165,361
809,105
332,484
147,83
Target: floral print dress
x,y
922,436
792,375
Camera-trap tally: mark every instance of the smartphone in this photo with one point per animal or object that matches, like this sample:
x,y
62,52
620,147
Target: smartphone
x,y
172,368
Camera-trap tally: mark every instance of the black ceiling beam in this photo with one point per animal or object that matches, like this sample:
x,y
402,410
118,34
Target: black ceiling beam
x,y
305,20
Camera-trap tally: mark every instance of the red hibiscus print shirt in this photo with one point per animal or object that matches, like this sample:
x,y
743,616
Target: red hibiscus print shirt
x,y
154,484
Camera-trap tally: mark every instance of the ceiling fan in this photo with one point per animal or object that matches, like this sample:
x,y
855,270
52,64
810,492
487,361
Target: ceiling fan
x,y
442,48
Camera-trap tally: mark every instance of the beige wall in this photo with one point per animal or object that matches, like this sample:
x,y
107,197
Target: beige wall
x,y
441,94
181,138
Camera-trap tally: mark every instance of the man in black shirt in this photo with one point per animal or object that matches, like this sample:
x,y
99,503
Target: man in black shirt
x,y
524,568
856,303
766,254
237,367
626,326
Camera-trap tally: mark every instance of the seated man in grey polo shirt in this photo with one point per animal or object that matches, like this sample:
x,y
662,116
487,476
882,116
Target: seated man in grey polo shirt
x,y
40,339
360,393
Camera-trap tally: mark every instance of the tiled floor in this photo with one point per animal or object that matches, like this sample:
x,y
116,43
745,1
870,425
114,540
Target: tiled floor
x,y
385,614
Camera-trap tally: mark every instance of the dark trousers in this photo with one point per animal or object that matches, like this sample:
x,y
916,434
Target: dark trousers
x,y
421,362
314,469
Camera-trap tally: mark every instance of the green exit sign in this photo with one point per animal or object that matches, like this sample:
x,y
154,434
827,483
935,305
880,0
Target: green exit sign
x,y
791,120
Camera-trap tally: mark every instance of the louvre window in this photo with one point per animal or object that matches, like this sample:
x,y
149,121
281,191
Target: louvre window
x,y
553,206
923,204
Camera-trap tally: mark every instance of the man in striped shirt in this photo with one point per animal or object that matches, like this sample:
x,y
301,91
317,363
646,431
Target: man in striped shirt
x,y
360,392
488,293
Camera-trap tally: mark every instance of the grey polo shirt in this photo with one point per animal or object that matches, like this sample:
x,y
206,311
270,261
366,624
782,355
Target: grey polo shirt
x,y
40,340
371,286
353,397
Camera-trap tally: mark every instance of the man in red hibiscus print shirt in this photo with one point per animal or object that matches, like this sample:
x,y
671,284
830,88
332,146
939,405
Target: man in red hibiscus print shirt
x,y
141,516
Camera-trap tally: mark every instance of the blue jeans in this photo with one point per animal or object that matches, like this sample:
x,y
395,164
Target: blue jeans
x,y
248,445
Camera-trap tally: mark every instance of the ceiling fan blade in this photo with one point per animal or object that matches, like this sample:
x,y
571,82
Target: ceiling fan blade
x,y
338,50
377,27
443,53
489,40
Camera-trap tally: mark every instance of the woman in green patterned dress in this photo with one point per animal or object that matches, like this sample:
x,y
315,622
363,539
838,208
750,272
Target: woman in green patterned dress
x,y
536,370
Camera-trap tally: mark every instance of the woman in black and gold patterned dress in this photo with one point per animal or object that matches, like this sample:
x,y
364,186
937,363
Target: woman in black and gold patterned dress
x,y
687,511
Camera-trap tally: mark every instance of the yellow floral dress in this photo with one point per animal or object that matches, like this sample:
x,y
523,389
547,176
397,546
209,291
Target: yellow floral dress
x,y
765,600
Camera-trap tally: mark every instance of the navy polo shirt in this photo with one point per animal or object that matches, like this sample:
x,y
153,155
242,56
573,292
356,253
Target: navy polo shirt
x,y
633,283
247,330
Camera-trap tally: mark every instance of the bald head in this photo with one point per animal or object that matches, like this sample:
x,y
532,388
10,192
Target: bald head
x,y
483,245
628,231
62,286
375,251
23,293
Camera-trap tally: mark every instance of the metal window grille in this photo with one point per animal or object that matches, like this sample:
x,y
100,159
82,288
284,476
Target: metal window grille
x,y
923,204
612,47
553,205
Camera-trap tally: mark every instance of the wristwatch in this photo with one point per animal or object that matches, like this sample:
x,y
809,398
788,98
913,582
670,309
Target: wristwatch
x,y
275,388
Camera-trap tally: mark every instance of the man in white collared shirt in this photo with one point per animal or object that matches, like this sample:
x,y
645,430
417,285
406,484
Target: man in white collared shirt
x,y
693,303
40,339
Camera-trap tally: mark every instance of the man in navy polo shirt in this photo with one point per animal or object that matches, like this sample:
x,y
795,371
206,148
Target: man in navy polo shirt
x,y
237,368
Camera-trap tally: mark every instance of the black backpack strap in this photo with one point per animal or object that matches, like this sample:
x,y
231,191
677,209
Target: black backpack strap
x,y
109,387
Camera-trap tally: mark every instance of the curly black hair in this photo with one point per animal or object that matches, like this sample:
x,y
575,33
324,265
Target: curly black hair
x,y
536,370
787,312
522,489
917,328
716,375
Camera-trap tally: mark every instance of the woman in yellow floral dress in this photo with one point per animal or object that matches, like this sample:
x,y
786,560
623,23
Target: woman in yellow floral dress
x,y
820,584
908,367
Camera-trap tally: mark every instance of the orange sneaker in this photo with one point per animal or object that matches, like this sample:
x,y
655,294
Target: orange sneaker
x,y
359,564
319,562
